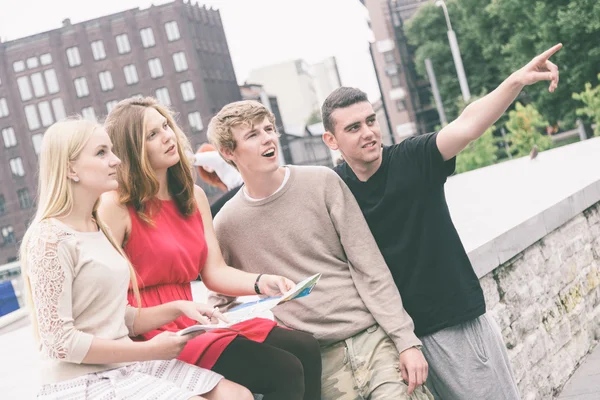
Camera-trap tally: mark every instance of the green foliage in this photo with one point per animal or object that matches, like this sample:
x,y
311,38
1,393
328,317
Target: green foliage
x,y
498,37
314,118
525,126
479,153
590,97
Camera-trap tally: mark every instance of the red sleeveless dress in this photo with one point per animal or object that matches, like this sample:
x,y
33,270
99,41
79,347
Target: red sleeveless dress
x,y
167,257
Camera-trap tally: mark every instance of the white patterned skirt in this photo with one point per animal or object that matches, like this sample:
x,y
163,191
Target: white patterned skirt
x,y
149,380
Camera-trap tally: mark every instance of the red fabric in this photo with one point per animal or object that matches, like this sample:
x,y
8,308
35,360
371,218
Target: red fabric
x,y
167,257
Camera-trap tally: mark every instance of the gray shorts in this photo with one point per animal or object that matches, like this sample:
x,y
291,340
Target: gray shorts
x,y
469,361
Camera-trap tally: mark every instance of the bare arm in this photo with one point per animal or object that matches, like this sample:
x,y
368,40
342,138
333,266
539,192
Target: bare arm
x,y
220,277
115,215
482,114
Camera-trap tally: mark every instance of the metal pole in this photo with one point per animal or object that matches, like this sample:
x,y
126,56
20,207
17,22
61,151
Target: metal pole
x,y
460,71
436,92
581,130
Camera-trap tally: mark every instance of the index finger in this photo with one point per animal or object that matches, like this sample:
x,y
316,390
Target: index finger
x,y
548,53
217,314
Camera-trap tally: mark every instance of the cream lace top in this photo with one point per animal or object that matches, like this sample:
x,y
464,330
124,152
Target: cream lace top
x,y
79,287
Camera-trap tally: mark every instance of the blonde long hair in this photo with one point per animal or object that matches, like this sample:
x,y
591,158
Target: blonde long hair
x,y
62,144
138,185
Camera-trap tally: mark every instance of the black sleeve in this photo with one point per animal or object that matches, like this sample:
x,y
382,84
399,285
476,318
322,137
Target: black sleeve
x,y
425,159
220,202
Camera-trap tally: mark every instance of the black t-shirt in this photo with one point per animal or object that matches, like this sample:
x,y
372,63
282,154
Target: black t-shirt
x,y
405,206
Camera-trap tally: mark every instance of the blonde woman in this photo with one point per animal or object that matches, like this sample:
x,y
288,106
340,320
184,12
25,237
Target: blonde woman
x,y
165,226
77,277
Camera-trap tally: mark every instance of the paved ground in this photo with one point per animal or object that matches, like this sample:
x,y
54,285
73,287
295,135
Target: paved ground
x,y
585,383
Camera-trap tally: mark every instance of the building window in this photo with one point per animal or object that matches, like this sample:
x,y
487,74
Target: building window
x,y
16,166
81,87
3,108
8,235
51,81
111,104
389,57
180,61
162,95
46,59
156,69
400,105
36,140
24,88
195,121
73,56
18,66
2,205
10,139
59,109
131,75
98,50
88,113
395,81
187,91
147,37
32,117
45,113
32,62
106,81
172,31
123,44
24,198
39,89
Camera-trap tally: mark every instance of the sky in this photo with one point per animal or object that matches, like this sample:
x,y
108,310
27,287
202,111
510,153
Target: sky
x,y
259,32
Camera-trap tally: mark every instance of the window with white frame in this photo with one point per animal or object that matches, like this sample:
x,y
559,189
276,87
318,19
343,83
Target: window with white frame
x,y
32,117
162,95
46,59
172,31
3,108
32,62
19,66
10,139
59,109
187,91
106,81
195,121
180,61
131,75
123,43
98,50
111,104
36,140
24,88
147,37
81,87
8,235
73,56
45,113
51,81
16,166
2,205
39,89
88,113
156,69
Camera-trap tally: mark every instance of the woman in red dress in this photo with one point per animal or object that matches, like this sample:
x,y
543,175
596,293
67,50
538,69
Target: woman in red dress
x,y
164,222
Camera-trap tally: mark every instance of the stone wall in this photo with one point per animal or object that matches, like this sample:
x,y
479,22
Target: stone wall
x,y
546,300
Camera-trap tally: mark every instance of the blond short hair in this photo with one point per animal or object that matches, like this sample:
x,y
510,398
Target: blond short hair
x,y
245,112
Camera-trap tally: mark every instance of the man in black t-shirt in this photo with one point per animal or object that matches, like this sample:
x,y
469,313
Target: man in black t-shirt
x,y
400,190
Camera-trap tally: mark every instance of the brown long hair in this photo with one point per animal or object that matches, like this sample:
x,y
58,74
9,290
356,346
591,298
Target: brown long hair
x,y
138,185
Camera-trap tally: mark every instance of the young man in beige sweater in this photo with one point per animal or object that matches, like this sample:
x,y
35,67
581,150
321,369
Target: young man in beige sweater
x,y
299,221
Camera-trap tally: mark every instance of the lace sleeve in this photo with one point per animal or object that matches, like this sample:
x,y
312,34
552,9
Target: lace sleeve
x,y
50,271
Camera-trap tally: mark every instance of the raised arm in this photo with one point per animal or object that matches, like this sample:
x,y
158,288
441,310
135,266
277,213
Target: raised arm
x,y
220,277
481,114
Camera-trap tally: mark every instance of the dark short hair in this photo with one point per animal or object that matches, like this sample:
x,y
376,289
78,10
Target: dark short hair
x,y
340,98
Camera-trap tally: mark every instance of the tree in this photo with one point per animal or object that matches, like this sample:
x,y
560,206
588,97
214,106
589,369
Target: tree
x,y
525,125
314,118
498,37
591,100
479,153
